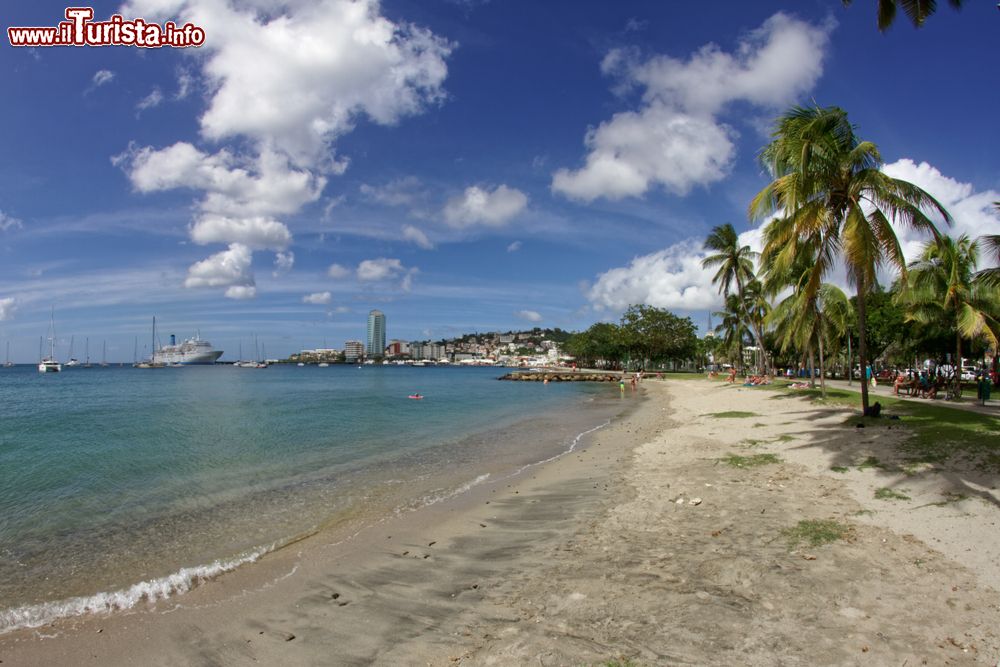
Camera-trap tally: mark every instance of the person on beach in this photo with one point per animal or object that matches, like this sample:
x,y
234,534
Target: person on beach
x,y
732,376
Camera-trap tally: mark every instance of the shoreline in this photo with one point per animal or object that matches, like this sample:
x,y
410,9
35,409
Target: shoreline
x,y
331,545
603,554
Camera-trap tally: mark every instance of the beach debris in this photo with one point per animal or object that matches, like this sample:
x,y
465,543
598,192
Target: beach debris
x,y
808,557
335,596
432,543
482,525
680,501
696,501
287,636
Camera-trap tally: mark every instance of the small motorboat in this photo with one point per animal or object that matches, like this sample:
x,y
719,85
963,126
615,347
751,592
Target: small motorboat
x,y
415,397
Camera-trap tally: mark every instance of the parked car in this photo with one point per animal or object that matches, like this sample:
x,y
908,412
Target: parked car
x,y
969,374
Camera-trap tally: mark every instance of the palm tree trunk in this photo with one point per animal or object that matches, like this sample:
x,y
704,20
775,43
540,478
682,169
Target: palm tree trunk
x,y
850,361
822,377
812,367
862,345
958,364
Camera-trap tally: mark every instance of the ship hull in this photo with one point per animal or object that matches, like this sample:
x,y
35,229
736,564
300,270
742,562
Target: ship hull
x,y
187,359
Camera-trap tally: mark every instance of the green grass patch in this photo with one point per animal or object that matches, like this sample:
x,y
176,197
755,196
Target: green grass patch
x,y
750,442
759,425
784,437
731,414
838,469
940,432
815,532
863,513
889,494
872,462
738,461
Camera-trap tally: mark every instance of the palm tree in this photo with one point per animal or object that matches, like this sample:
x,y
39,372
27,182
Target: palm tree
x,y
835,202
735,264
732,328
941,286
917,10
991,242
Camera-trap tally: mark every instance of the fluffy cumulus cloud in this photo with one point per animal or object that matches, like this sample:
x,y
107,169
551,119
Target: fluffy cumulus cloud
x,y
480,206
371,270
676,139
669,278
415,235
286,81
7,307
319,298
297,78
529,315
973,212
230,268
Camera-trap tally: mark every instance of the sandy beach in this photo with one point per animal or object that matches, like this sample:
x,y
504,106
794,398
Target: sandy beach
x,y
643,545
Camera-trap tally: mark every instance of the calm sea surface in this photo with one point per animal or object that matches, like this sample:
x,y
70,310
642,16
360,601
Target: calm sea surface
x,y
119,485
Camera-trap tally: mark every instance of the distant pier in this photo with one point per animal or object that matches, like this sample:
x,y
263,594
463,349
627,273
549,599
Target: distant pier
x,y
562,376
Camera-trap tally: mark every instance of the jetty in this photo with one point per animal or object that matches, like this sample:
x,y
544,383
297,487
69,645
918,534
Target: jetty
x,y
563,376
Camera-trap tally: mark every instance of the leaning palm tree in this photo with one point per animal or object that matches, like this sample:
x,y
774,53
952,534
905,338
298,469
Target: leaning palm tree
x,y
733,329
835,201
941,287
917,10
735,265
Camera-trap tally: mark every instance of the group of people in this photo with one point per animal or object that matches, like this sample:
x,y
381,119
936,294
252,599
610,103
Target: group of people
x,y
922,384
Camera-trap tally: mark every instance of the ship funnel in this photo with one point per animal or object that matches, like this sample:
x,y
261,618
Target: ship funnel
x,y
173,340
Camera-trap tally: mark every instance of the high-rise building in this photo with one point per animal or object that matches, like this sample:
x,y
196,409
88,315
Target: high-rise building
x,y
376,334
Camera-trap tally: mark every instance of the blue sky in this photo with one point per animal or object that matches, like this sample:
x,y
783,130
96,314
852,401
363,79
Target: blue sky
x,y
461,165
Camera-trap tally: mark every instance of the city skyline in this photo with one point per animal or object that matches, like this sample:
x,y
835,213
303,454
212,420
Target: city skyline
x,y
479,166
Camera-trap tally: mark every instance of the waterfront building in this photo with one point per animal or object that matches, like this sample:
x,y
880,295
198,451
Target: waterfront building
x,y
376,334
353,350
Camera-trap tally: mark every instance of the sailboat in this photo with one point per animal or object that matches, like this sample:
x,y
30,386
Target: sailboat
x,y
72,360
49,363
152,363
8,363
86,356
104,356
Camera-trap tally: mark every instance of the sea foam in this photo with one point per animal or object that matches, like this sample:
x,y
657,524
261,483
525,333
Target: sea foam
x,y
37,615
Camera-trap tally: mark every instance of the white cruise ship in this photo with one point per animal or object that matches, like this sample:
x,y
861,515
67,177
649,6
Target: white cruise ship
x,y
190,352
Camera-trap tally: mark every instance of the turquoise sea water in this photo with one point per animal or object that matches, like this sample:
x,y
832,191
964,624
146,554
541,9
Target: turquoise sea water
x,y
120,484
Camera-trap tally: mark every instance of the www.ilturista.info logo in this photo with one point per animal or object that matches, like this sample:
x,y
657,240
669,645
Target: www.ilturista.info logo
x,y
79,29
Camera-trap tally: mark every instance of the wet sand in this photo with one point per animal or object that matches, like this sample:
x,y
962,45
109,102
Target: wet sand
x,y
593,557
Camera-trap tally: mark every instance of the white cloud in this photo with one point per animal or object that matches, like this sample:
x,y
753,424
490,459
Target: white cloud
x,y
338,271
264,185
973,212
255,233
669,278
241,292
150,101
480,206
297,77
7,308
529,315
286,81
514,247
411,233
283,263
101,77
9,222
382,268
675,139
318,298
229,268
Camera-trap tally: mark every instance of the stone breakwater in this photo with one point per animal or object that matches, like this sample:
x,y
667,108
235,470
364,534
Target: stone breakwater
x,y
558,376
